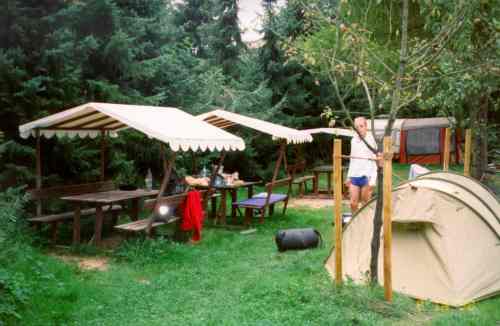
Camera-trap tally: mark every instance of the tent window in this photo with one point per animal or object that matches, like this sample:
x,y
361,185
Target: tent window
x,y
423,141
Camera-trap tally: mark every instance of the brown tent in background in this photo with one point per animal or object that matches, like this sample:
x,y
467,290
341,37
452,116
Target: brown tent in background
x,y
446,240
421,140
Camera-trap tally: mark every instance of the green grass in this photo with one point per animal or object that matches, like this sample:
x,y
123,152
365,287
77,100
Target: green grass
x,y
228,279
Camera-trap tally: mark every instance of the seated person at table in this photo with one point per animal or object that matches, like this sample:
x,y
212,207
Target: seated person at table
x,y
362,173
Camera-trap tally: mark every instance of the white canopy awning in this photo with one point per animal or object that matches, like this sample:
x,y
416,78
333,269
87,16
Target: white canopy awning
x,y
224,119
178,129
331,131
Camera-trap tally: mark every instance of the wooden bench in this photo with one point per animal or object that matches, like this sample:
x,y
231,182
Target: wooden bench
x,y
266,200
154,220
294,171
54,219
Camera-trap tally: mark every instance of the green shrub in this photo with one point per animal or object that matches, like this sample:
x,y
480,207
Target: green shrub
x,y
142,251
12,223
13,238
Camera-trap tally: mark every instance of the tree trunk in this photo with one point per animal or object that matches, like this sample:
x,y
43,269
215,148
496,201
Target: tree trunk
x,y
395,105
377,226
480,157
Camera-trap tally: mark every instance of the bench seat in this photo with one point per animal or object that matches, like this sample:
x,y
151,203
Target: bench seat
x,y
142,225
172,201
52,218
259,201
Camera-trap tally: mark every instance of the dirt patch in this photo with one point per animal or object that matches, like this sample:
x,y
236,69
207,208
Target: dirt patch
x,y
315,203
100,264
85,263
112,241
144,281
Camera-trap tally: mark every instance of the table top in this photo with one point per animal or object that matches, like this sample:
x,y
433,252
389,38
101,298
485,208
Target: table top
x,y
108,197
234,186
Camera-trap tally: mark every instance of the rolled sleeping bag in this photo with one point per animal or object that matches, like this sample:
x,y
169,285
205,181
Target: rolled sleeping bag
x,y
296,239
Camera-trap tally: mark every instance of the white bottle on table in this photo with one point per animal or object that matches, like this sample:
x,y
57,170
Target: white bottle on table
x,y
149,180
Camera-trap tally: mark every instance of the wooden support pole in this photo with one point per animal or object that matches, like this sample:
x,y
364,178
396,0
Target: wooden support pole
x,y
215,169
467,152
166,176
387,203
163,159
285,163
38,170
103,154
446,158
337,183
211,190
164,183
278,162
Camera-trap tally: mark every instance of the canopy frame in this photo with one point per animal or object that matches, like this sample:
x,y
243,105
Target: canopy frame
x,y
224,119
106,118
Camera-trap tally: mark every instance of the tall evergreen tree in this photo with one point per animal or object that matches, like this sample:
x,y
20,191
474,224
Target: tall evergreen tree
x,y
193,16
290,82
226,37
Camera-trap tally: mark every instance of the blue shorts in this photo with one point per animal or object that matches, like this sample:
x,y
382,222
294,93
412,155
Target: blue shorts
x,y
359,181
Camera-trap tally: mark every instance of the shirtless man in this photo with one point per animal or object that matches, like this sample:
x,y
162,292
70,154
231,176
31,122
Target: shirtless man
x,y
362,174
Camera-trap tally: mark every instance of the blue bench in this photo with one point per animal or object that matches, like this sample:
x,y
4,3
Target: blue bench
x,y
266,200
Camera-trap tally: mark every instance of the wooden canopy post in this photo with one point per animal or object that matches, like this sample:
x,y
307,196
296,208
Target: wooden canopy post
x,y
211,183
387,203
285,163
38,170
446,158
164,162
194,163
166,177
278,161
103,154
337,169
467,153
216,168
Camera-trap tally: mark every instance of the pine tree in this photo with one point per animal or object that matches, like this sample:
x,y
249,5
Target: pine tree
x,y
226,37
290,82
193,16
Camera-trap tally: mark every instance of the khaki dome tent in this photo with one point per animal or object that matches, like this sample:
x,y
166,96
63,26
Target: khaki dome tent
x,y
446,240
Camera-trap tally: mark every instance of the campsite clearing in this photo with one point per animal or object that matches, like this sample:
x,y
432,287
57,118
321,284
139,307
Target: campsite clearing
x,y
227,279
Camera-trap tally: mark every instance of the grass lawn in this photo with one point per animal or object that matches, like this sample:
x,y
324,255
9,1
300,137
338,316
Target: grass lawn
x,y
227,279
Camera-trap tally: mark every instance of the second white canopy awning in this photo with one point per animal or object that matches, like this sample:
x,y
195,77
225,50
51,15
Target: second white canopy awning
x,y
331,131
224,119
178,129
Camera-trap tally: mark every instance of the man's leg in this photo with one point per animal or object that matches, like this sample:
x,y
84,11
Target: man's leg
x,y
354,197
366,193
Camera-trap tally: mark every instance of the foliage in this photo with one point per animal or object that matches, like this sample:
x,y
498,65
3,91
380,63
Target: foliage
x,y
13,232
296,88
12,224
467,87
226,37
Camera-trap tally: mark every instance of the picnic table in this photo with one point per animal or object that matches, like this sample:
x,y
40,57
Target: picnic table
x,y
322,169
99,199
328,170
220,217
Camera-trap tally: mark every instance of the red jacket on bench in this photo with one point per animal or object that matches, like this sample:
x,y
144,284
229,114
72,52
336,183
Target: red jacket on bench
x,y
192,214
